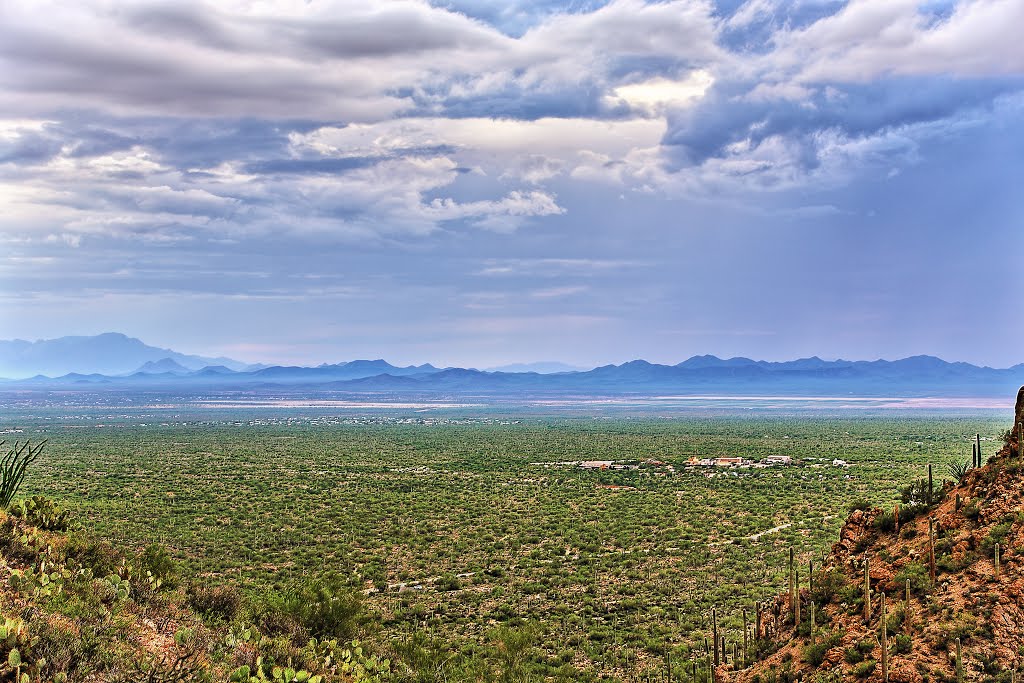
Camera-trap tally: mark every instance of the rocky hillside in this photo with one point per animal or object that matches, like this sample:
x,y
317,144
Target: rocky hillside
x,y
944,589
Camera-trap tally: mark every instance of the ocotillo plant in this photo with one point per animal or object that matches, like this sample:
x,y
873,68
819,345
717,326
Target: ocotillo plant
x,y
885,640
12,469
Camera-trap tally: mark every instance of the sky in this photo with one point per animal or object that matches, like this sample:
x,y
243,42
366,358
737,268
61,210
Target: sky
x,y
476,183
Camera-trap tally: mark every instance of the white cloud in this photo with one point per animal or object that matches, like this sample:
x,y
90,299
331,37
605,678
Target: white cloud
x,y
653,96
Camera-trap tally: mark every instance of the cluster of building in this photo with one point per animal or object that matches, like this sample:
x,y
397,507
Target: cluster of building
x,y
769,461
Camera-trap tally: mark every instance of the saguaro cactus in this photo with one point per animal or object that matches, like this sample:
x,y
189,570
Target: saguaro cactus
x,y
714,633
906,605
995,565
931,548
745,655
867,588
930,498
796,607
792,579
885,640
959,663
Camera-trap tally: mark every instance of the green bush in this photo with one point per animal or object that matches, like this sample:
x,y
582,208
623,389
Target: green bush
x,y
814,654
323,607
920,580
99,556
155,560
864,669
217,602
885,522
997,534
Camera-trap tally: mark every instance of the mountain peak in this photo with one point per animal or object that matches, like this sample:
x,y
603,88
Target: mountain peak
x,y
161,366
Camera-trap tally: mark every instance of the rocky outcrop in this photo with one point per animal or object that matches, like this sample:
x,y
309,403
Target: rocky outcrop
x,y
970,598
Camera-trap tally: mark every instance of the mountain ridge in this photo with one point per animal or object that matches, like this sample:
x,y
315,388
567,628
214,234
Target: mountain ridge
x,y
912,376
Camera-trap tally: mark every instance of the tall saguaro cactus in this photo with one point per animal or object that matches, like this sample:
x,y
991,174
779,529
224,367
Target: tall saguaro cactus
x,y
931,548
867,588
885,640
714,633
792,580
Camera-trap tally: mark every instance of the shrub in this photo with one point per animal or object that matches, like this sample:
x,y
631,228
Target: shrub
x,y
917,573
885,522
864,669
859,504
998,535
155,560
99,556
814,654
218,602
323,607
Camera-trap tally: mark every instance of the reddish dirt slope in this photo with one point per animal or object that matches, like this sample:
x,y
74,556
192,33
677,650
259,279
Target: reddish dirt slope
x,y
966,601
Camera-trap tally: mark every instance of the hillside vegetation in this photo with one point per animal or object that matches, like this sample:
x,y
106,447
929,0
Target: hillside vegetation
x,y
950,572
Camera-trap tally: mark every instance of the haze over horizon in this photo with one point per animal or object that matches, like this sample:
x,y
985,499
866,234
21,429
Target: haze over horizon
x,y
471,185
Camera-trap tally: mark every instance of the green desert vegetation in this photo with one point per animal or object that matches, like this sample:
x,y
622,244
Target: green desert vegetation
x,y
475,548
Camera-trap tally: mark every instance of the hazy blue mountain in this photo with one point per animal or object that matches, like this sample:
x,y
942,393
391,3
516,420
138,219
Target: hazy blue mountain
x,y
540,367
163,365
109,354
914,376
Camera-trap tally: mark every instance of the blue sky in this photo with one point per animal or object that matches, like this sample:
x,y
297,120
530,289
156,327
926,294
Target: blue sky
x,y
479,183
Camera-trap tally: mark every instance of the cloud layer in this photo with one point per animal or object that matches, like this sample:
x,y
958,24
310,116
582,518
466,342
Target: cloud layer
x,y
541,132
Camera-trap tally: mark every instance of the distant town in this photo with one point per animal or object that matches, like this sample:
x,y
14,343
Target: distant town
x,y
691,463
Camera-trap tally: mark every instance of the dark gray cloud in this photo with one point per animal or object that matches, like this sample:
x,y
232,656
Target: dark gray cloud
x,y
729,115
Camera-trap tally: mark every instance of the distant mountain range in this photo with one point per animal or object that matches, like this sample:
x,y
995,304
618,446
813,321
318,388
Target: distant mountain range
x,y
108,354
914,376
542,368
